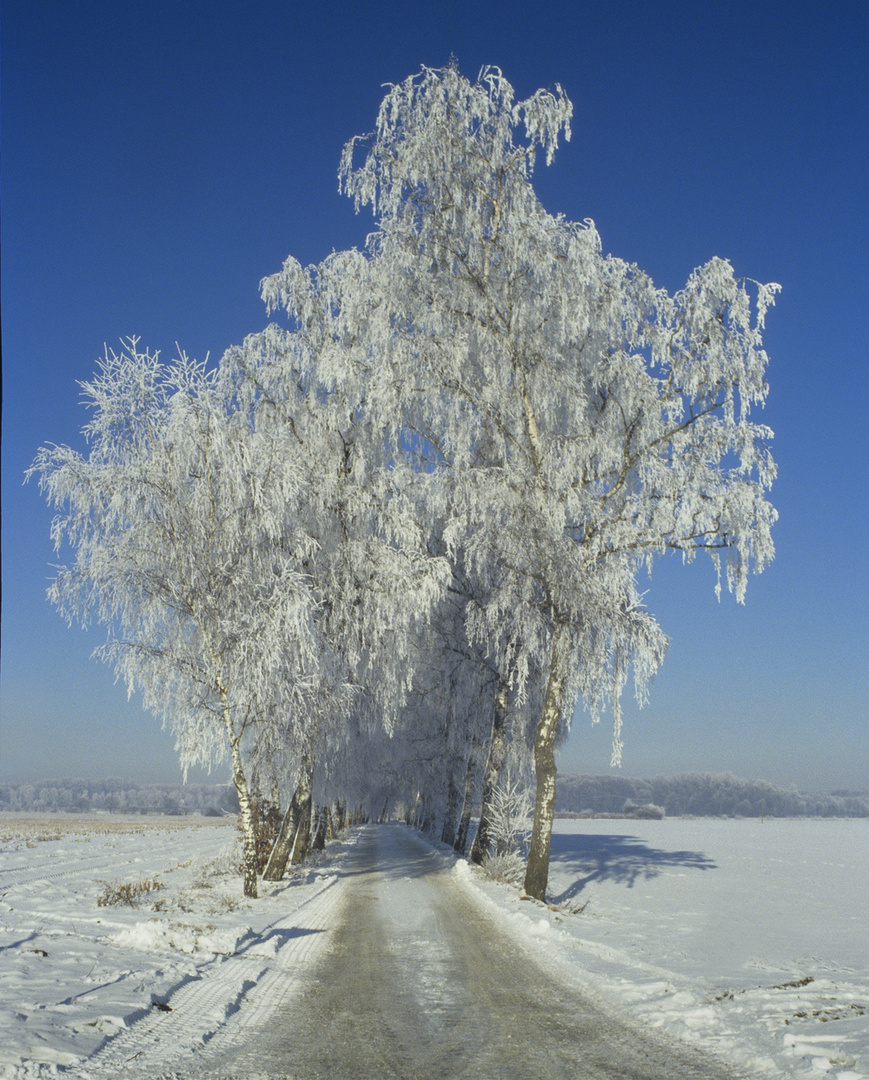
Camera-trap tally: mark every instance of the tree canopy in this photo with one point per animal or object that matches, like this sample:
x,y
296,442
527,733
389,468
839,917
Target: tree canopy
x,y
413,518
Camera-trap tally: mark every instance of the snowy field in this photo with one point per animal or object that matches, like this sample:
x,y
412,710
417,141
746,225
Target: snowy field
x,y
750,939
746,939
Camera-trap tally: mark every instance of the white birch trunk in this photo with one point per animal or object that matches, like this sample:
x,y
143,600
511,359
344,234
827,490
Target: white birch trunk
x,y
244,806
537,869
448,834
302,839
465,820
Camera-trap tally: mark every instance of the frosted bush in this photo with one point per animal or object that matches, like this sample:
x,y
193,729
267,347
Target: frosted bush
x,y
507,867
510,814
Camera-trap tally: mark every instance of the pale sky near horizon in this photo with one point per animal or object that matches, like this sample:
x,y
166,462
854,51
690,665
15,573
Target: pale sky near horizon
x,y
160,159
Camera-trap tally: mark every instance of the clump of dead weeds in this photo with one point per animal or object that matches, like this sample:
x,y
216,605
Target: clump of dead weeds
x,y
128,893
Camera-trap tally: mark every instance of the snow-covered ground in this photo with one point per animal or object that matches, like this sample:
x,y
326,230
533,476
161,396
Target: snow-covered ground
x,y
748,939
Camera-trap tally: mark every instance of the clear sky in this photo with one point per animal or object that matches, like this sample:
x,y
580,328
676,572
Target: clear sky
x,y
160,158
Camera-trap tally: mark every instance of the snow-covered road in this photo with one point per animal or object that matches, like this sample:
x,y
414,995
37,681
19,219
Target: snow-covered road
x,y
416,980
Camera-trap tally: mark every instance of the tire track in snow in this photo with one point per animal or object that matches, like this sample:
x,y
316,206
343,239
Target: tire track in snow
x,y
12,879
108,860
228,999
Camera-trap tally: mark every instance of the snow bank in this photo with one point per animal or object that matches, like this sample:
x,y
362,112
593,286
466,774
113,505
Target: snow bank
x,y
163,934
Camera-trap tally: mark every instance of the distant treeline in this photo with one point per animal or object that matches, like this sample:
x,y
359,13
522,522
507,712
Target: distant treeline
x,y
700,795
120,797
692,794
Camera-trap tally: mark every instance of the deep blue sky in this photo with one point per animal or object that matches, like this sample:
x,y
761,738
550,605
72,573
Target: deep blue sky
x,y
159,159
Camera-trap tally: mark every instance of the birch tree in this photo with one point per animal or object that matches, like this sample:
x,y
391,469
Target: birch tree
x,y
371,554
576,420
187,548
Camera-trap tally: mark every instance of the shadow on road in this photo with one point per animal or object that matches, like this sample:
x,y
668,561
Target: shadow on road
x,y
618,858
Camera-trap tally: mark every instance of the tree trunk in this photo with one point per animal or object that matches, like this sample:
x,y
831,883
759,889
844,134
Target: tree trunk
x,y
244,807
280,856
247,828
465,820
302,841
537,869
321,830
497,749
448,834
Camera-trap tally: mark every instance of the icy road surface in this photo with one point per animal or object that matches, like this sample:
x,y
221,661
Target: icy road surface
x,y
415,981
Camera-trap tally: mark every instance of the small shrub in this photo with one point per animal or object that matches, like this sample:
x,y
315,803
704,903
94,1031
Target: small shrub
x,y
510,815
506,866
211,902
575,906
128,893
221,904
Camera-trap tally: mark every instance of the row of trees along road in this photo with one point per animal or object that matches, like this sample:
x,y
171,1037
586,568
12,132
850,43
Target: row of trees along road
x,y
393,539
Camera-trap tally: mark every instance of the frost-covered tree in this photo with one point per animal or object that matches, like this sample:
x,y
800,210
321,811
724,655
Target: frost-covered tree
x,y
461,696
367,556
479,393
184,519
570,420
373,574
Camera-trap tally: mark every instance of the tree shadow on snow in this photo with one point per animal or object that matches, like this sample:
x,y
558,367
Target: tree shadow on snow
x,y
619,858
279,936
